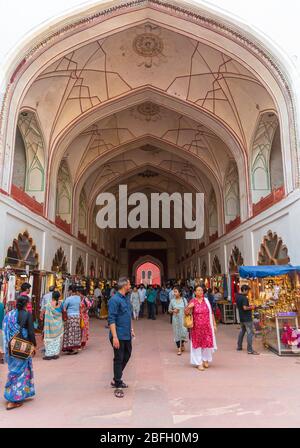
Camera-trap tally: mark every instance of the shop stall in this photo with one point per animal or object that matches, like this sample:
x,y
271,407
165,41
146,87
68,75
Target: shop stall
x,y
236,260
275,291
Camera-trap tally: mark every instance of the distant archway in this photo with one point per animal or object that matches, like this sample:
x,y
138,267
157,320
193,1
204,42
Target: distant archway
x,y
148,273
148,263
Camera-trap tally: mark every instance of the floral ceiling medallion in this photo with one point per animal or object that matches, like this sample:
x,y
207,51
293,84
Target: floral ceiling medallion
x,y
150,148
150,111
149,46
148,173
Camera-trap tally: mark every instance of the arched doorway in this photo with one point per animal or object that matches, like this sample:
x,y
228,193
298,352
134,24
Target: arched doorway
x,y
148,273
145,266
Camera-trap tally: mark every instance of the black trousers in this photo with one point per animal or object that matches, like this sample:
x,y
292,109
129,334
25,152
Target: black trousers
x,y
121,358
180,344
164,306
142,309
151,310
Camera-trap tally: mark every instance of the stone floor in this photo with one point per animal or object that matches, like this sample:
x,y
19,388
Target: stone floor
x,y
165,391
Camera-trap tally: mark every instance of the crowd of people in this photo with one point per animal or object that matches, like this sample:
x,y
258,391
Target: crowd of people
x,y
65,326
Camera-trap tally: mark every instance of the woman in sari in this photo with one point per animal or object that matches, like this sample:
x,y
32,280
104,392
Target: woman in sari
x,y
203,341
53,327
85,305
19,385
72,333
176,309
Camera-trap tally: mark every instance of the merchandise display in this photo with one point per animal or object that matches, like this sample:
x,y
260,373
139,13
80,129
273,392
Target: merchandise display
x,y
275,292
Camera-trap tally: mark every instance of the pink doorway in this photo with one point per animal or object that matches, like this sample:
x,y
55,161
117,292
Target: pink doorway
x,y
148,273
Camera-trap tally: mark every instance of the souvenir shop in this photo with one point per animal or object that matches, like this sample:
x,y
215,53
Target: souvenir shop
x,y
275,291
21,265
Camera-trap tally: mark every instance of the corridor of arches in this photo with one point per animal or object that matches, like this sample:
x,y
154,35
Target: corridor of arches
x,y
160,99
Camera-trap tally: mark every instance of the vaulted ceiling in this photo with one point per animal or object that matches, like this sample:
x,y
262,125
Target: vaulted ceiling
x,y
176,107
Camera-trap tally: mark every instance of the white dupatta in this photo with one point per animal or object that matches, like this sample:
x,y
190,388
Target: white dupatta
x,y
211,323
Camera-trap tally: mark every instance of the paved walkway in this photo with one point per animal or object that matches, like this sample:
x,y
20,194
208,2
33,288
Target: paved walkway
x,y
165,391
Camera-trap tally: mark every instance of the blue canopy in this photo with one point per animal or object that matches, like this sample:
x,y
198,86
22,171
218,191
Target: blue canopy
x,y
267,271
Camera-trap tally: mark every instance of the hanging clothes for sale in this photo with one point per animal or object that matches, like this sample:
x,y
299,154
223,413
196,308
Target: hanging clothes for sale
x,y
11,293
225,287
233,289
66,287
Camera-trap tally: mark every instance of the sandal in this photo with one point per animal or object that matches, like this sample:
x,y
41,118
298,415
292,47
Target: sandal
x,y
122,385
205,364
119,393
201,368
10,405
179,352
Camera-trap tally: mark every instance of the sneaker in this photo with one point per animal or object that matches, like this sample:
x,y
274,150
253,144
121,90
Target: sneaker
x,y
253,353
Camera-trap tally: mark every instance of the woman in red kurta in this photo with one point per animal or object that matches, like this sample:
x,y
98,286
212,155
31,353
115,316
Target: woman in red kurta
x,y
203,342
85,305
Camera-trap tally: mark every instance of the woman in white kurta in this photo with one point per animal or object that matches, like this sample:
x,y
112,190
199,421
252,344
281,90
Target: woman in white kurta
x,y
176,309
203,341
135,302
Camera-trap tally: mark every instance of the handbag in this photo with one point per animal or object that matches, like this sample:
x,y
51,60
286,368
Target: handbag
x,y
82,325
188,321
19,347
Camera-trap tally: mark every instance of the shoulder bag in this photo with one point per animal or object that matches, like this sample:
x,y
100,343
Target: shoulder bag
x,y
188,321
19,347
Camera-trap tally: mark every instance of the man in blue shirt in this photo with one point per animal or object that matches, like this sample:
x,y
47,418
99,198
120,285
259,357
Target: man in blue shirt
x,y
164,296
121,332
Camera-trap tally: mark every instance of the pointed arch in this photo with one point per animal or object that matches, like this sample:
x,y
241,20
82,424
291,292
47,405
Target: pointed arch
x,y
272,250
236,260
59,262
82,221
79,270
212,214
216,266
22,252
231,193
261,156
64,193
31,176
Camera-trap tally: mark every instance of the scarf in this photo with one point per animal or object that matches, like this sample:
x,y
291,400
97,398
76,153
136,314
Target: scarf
x,y
53,324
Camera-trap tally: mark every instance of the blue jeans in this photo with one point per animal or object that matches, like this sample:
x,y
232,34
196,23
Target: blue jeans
x,y
246,327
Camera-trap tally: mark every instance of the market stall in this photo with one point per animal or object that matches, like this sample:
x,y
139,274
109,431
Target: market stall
x,y
275,291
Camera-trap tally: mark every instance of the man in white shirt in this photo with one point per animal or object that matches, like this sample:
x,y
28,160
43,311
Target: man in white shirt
x,y
142,295
98,297
45,300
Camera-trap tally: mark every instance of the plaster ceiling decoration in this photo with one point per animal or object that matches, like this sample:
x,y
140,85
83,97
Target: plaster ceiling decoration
x,y
148,173
22,252
150,148
236,260
147,111
173,128
59,262
273,251
216,266
149,45
112,67
203,270
171,167
79,266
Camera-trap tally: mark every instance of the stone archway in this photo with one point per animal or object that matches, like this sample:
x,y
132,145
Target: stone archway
x,y
148,258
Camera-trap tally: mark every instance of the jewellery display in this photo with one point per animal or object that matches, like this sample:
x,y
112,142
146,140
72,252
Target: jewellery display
x,y
277,302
